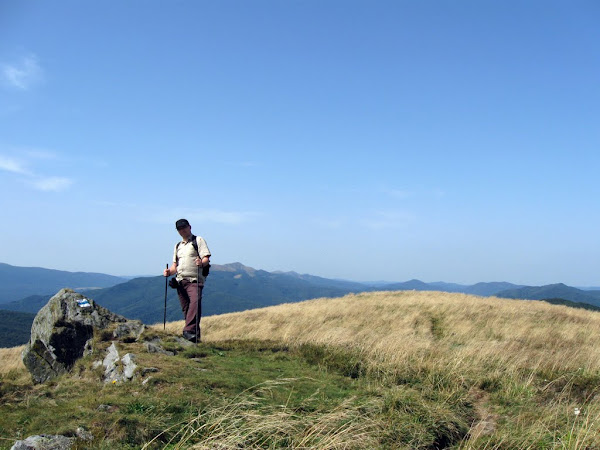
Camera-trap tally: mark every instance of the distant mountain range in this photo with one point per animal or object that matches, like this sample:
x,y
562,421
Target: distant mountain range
x,y
19,282
236,287
549,291
230,287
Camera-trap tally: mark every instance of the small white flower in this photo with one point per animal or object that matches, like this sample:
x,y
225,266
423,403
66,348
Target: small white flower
x,y
577,411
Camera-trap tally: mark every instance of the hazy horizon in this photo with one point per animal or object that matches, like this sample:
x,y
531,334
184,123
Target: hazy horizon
x,y
363,281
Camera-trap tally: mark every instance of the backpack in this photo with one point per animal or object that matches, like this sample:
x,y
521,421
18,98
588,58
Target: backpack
x,y
206,268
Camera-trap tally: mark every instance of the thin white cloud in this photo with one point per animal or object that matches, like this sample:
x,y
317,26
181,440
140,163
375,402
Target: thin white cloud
x,y
13,165
20,167
23,74
54,184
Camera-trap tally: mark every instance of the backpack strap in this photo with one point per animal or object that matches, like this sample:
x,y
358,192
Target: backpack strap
x,y
195,244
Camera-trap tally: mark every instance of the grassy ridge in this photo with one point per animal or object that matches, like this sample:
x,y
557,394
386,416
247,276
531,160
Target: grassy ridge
x,y
526,367
378,370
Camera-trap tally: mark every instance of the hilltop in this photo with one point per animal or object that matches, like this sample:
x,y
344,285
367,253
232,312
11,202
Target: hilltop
x,y
371,370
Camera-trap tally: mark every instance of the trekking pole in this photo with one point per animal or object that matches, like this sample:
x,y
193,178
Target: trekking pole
x,y
165,316
198,301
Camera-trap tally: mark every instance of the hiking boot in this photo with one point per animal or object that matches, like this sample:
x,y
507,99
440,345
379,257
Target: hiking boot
x,y
189,336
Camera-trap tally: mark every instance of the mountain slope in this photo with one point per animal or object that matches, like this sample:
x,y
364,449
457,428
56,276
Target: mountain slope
x,y
230,287
15,328
552,291
19,282
410,285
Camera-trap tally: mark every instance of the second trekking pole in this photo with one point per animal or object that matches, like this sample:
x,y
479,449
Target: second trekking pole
x,y
198,301
165,315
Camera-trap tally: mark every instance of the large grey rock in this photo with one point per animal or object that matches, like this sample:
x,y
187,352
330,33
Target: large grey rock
x,y
62,332
45,442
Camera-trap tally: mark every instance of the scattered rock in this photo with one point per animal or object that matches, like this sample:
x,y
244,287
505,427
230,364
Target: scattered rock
x,y
107,408
151,347
84,434
184,342
45,442
147,370
129,366
129,331
113,372
62,332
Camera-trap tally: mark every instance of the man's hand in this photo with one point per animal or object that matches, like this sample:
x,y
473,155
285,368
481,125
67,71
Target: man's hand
x,y
166,272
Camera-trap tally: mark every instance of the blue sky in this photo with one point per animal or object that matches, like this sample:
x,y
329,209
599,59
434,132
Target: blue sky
x,y
384,140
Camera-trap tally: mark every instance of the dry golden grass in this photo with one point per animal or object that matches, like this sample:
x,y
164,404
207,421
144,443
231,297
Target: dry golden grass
x,y
10,359
391,327
244,422
450,340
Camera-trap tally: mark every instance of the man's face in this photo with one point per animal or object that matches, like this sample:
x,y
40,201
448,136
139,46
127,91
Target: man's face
x,y
185,232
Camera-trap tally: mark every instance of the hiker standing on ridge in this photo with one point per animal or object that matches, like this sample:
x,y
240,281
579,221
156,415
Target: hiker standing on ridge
x,y
190,256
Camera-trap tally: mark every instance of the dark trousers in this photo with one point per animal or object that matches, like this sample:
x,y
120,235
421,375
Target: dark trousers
x,y
190,298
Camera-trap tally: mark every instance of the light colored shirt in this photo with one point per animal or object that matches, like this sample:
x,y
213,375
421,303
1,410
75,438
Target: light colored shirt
x,y
184,255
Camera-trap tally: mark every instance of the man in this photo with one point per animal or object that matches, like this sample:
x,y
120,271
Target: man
x,y
186,262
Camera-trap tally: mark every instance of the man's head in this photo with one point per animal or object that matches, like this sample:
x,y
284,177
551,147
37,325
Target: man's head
x,y
184,228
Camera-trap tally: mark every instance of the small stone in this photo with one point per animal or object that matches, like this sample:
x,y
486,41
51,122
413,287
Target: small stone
x,y
107,408
84,435
147,370
129,366
154,348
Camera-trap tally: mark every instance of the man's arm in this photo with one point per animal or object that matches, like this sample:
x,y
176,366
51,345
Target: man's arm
x,y
171,270
202,250
202,262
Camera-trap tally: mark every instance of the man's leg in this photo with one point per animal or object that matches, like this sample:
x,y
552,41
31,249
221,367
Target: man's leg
x,y
192,290
184,299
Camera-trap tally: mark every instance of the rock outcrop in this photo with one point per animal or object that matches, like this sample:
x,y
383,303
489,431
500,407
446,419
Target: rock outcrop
x,y
45,442
114,372
63,330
